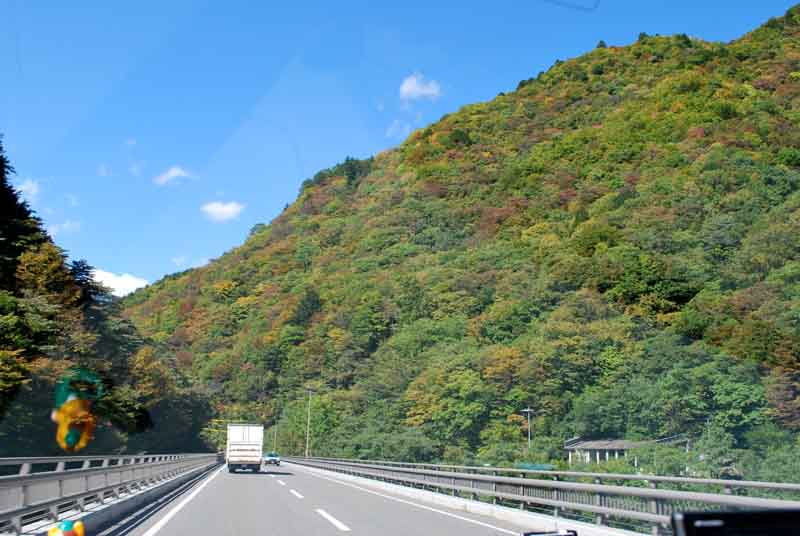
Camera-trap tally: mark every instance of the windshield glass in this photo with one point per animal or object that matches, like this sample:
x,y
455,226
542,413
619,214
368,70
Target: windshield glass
x,y
550,239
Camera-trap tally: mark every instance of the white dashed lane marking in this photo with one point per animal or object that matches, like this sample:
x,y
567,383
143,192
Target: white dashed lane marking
x,y
417,505
335,522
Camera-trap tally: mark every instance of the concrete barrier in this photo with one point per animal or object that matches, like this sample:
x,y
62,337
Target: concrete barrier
x,y
100,516
530,520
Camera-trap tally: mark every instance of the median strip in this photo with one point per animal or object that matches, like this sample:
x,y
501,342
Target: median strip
x,y
335,522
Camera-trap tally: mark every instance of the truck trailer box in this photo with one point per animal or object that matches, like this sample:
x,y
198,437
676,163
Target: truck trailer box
x,y
245,447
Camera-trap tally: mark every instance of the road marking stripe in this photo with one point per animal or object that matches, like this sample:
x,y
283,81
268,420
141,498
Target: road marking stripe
x,y
335,522
281,482
272,476
164,520
293,492
462,518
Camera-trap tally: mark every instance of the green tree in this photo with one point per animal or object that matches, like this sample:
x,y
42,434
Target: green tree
x,y
716,453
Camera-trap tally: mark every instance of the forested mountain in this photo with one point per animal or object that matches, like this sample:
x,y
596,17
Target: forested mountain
x,y
54,318
614,244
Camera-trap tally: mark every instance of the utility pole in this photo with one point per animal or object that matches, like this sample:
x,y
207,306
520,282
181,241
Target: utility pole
x,y
275,439
528,412
308,422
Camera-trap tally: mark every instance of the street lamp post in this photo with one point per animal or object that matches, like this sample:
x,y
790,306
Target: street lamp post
x,y
528,412
308,422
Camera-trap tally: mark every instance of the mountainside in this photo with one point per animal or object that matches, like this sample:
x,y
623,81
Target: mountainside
x,y
614,244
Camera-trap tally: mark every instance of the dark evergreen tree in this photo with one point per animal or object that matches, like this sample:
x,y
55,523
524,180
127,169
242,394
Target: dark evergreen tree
x,y
19,228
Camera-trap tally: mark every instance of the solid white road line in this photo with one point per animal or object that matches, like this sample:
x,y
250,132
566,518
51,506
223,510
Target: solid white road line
x,y
272,476
293,492
281,482
410,503
335,522
164,520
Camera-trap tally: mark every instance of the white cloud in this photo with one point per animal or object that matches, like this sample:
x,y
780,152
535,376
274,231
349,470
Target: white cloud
x,y
179,261
104,170
120,284
130,142
72,199
29,189
219,211
69,226
414,86
398,129
173,173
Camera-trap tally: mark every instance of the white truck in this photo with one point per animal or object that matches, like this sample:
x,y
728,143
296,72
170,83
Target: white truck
x,y
245,447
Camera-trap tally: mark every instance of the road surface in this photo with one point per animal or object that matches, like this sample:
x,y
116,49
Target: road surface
x,y
292,501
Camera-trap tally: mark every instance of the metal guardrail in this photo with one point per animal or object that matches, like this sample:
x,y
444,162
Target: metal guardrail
x,y
38,489
633,508
653,481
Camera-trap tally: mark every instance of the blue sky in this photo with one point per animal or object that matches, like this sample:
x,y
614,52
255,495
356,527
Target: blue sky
x,y
151,136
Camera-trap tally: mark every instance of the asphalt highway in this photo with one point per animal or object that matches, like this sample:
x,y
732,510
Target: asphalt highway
x,y
292,501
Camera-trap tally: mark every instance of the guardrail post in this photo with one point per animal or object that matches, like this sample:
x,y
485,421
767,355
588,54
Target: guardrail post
x,y
16,524
494,488
522,492
23,496
556,492
653,508
54,509
598,501
85,486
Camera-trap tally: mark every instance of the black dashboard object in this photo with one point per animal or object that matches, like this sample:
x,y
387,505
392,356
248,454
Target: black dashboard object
x,y
742,523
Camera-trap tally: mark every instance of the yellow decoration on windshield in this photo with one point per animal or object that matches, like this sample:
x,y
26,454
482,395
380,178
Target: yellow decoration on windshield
x,y
76,424
75,394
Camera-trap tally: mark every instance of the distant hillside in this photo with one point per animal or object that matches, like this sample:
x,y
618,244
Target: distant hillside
x,y
614,244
